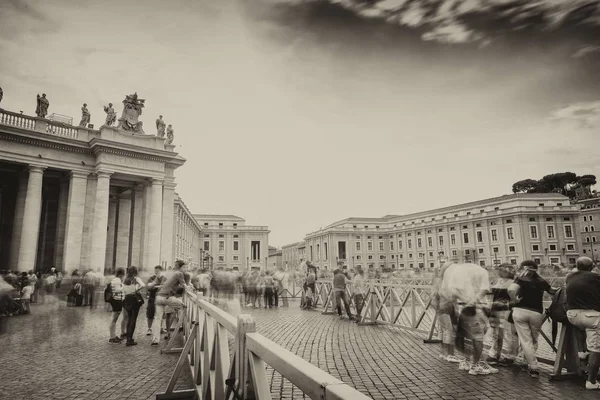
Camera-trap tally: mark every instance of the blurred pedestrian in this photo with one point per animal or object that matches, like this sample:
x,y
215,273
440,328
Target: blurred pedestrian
x,y
132,301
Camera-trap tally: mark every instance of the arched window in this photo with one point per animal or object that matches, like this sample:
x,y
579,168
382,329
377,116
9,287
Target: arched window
x,y
586,229
587,239
591,218
584,218
593,238
592,228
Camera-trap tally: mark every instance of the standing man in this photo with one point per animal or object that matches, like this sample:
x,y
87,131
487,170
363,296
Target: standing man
x,y
359,287
166,297
583,311
339,291
154,285
89,281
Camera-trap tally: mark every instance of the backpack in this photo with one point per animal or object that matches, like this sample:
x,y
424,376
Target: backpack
x,y
108,294
557,311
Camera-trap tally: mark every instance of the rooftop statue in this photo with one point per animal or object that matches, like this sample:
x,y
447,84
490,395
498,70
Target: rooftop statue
x,y
42,106
1,94
170,134
160,127
131,113
111,115
85,116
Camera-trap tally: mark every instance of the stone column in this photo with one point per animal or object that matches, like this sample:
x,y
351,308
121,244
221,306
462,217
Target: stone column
x,y
18,221
123,232
100,224
111,234
155,224
166,244
137,230
63,203
31,219
146,227
74,222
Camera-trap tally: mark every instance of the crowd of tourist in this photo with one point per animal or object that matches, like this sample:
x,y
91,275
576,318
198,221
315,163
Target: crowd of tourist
x,y
18,290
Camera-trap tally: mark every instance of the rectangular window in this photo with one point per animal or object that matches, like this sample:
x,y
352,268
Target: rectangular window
x,y
570,247
236,258
441,240
512,249
221,258
550,230
494,235
359,257
255,250
382,257
409,243
554,260
430,241
480,251
552,247
467,251
537,261
568,231
318,252
206,246
399,244
380,246
454,252
495,249
221,236
236,246
479,237
370,246
465,237
370,257
453,239
419,243
510,234
326,252
391,246
535,247
533,232
431,254
410,255
357,246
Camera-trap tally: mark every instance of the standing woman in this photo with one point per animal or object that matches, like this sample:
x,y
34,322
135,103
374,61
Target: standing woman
x,y
526,293
132,301
116,302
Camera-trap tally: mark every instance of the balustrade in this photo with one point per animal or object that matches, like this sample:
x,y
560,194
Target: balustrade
x,y
17,120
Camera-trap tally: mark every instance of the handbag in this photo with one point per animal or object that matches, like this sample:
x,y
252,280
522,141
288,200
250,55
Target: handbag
x,y
139,299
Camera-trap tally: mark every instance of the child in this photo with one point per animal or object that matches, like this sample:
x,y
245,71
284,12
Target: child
x,y
26,292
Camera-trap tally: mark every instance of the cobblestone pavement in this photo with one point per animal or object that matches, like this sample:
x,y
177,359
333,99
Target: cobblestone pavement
x,y
62,353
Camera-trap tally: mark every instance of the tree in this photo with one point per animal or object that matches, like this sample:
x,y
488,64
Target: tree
x,y
564,183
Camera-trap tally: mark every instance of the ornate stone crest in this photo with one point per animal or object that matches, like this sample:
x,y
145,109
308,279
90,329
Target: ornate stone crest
x,y
131,112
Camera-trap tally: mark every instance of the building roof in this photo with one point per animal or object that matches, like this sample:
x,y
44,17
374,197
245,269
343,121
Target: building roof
x,y
290,245
217,216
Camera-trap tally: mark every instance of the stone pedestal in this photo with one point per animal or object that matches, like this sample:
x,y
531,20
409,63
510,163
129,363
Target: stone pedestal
x,y
98,251
31,220
74,222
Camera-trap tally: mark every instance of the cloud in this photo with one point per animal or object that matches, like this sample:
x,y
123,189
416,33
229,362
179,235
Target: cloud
x,y
583,114
587,50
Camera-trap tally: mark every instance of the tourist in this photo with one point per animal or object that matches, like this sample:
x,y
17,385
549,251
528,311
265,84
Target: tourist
x,y
252,282
50,285
269,284
447,317
154,284
501,331
260,289
165,297
583,311
59,278
526,294
26,293
281,284
116,303
311,279
468,286
360,288
89,281
132,301
339,292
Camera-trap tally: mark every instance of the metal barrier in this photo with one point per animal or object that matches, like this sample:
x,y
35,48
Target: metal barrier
x,y
241,375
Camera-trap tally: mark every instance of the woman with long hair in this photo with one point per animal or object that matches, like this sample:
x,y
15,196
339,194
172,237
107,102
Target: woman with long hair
x,y
132,301
527,293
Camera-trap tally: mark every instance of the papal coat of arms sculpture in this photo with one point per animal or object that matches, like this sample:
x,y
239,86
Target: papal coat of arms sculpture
x,y
132,110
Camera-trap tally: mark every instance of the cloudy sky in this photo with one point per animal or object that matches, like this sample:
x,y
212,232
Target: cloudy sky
x,y
294,114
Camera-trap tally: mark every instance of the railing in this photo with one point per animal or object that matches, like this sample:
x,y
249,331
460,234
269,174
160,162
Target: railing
x,y
217,374
409,306
18,120
61,129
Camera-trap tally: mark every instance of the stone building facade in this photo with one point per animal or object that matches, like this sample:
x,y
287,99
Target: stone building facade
x,y
227,242
589,231
292,255
186,234
78,198
508,228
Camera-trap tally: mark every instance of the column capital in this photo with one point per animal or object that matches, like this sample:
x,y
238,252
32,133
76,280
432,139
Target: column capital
x,y
78,174
37,168
169,185
157,181
103,174
138,187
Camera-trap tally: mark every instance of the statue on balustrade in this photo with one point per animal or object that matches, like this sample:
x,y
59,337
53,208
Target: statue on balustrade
x,y
160,127
1,95
111,115
85,116
131,113
170,134
42,106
